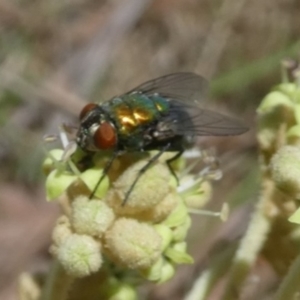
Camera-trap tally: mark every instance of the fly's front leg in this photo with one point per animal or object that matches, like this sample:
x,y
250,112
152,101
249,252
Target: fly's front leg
x,y
105,171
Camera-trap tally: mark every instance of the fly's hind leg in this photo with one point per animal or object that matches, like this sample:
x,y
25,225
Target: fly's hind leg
x,y
143,170
170,160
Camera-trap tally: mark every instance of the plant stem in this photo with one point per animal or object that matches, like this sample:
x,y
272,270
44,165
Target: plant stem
x,y
290,287
58,283
251,243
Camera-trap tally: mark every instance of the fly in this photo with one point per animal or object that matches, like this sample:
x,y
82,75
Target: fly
x,y
161,114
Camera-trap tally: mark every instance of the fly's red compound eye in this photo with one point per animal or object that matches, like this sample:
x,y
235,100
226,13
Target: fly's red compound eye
x,y
86,109
105,136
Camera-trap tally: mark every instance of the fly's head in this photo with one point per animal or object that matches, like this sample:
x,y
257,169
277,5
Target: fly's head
x,y
96,132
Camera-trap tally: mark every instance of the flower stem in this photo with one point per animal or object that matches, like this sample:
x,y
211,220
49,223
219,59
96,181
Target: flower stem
x,y
252,242
290,286
58,283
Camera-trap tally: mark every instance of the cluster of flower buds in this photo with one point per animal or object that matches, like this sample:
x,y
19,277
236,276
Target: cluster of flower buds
x,y
146,236
279,134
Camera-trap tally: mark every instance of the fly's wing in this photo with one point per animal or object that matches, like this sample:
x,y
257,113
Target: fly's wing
x,y
183,86
201,122
185,117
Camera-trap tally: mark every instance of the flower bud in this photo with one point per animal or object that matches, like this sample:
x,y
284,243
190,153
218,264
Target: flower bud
x,y
272,101
153,273
276,109
295,218
158,212
266,138
57,183
80,255
180,232
91,178
178,216
200,196
285,170
123,291
177,254
165,233
62,230
91,217
49,163
167,272
133,244
297,113
293,135
151,188
287,88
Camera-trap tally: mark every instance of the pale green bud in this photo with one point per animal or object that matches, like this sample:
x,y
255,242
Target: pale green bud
x,y
285,170
91,217
225,211
297,95
177,254
180,246
276,109
133,244
91,178
199,196
151,188
167,272
180,232
50,163
297,113
62,230
287,88
293,135
165,233
291,89
295,218
124,292
267,138
272,101
178,216
153,273
80,255
57,183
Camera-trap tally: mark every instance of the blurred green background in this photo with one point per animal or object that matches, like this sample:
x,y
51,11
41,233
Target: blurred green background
x,y
56,55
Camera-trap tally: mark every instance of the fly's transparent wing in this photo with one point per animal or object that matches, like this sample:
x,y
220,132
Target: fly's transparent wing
x,y
187,119
185,116
184,86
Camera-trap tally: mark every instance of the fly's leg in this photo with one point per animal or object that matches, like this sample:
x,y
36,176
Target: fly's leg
x,y
143,170
170,160
105,171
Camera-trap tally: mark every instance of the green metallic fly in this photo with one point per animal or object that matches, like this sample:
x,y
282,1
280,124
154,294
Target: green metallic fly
x,y
161,114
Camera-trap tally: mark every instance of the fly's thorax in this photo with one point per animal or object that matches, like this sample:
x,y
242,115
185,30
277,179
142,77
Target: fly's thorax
x,y
135,111
96,131
161,104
